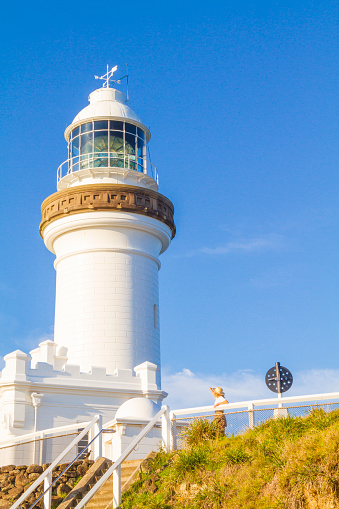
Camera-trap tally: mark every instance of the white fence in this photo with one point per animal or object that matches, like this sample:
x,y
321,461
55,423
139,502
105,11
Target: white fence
x,y
246,414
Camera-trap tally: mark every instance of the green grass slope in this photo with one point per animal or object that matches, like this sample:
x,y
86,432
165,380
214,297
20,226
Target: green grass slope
x,y
290,463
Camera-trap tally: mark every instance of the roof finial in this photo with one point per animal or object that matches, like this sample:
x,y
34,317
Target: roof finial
x,y
108,76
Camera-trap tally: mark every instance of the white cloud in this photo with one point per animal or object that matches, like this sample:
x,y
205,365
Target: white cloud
x,y
246,245
187,389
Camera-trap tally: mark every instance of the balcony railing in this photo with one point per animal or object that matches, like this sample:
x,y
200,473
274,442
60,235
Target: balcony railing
x,y
107,160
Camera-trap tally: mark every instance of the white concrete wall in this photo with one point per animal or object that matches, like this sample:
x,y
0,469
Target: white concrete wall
x,y
104,311
107,288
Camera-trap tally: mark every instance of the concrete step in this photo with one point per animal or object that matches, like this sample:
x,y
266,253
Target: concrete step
x,y
104,496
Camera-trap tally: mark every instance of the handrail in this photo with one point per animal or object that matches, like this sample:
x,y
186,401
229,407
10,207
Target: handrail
x,y
257,402
65,469
49,470
123,456
24,438
86,161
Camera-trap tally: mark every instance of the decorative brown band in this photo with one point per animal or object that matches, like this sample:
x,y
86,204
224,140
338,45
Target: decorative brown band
x,y
88,198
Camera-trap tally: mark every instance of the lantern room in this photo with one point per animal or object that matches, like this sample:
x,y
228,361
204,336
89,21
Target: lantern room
x,y
108,143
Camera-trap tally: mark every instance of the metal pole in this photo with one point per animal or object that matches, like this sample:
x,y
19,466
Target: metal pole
x,y
34,430
97,448
277,370
48,494
250,415
116,453
41,448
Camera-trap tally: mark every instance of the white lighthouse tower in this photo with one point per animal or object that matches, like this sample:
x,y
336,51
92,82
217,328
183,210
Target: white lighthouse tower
x,y
107,224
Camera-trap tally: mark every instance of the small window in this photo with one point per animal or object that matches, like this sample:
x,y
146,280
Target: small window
x,y
155,311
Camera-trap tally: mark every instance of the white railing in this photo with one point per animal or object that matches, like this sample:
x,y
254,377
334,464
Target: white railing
x,y
46,476
276,403
107,160
41,435
115,469
319,398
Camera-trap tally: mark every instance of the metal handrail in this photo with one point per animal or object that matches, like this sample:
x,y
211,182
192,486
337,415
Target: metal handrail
x,y
68,466
48,472
124,162
25,439
123,456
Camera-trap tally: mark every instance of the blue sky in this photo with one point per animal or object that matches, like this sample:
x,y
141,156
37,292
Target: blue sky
x,y
242,102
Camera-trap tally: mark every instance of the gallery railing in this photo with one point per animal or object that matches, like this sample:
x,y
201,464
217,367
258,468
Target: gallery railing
x,y
107,160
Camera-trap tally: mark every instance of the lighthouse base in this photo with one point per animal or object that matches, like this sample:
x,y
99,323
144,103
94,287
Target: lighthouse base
x,y
41,391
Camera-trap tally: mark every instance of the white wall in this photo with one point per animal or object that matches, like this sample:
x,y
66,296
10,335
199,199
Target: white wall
x,y
107,287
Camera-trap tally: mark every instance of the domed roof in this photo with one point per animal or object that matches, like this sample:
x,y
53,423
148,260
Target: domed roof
x,y
137,408
106,102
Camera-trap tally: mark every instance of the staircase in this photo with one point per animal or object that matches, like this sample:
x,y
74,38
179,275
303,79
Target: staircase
x,y
103,498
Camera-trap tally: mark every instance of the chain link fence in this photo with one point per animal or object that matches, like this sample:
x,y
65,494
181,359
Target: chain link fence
x,y
242,420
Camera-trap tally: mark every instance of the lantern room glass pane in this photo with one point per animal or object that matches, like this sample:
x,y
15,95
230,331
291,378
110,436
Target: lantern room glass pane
x,y
140,133
86,143
129,128
140,164
116,126
116,142
100,160
100,141
85,128
75,132
100,125
75,147
129,143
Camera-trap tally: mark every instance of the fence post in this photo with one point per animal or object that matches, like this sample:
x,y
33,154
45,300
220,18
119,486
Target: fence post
x,y
250,415
97,445
166,429
173,431
116,453
42,434
48,495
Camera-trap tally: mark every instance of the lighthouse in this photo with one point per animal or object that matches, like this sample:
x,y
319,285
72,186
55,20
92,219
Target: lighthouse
x,y
107,225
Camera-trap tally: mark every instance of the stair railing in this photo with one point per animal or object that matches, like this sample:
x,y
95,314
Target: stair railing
x,y
115,469
46,476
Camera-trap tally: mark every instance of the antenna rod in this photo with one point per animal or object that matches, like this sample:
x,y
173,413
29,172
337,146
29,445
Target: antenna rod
x,y
127,94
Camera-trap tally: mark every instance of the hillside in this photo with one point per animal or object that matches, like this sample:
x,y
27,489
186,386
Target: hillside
x,y
290,463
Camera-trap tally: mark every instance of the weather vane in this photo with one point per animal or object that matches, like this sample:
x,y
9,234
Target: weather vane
x,y
108,76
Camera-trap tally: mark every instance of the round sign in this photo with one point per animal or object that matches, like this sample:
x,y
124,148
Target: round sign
x,y
272,379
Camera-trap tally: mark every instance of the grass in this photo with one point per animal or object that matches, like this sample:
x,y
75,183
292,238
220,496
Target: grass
x,y
287,463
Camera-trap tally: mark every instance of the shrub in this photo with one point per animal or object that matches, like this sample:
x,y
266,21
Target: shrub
x,y
190,459
198,431
236,455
